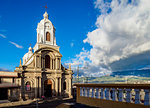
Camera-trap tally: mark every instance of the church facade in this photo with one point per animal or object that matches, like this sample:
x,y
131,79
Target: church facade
x,y
41,73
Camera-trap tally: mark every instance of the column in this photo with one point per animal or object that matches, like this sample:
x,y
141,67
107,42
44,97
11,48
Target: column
x,y
56,64
40,87
35,87
39,62
70,87
56,86
59,63
60,86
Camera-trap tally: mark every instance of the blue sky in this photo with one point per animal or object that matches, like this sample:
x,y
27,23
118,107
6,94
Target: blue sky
x,y
19,18
102,36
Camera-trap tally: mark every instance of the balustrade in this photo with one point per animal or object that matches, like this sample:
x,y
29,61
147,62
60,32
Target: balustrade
x,y
129,93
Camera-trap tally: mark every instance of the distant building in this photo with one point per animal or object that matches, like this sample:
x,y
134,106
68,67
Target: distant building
x,y
41,73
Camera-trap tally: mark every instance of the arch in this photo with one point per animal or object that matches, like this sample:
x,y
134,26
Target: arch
x,y
64,85
47,61
48,36
50,49
28,86
48,88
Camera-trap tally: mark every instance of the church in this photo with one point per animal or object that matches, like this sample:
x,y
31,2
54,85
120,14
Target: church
x,y
41,73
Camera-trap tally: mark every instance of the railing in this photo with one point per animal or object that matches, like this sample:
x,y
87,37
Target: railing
x,y
129,95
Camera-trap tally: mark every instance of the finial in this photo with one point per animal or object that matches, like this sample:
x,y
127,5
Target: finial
x,y
20,63
30,44
45,8
69,66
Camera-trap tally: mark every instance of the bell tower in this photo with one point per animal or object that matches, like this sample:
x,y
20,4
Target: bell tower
x,y
45,32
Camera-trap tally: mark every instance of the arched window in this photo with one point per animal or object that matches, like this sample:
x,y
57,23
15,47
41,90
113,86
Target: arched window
x,y
47,36
47,61
28,86
64,85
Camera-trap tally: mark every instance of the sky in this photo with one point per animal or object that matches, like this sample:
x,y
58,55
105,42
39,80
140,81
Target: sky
x,y
101,36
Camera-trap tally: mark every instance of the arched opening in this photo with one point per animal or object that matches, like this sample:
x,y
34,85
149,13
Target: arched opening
x,y
28,86
48,88
47,61
47,36
64,85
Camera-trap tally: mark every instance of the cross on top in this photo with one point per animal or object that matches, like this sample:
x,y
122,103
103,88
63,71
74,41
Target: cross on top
x,y
30,44
45,7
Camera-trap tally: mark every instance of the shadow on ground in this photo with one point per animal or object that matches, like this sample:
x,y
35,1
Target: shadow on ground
x,y
53,103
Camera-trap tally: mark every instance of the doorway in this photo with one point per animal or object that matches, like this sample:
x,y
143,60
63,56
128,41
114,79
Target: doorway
x,y
48,88
4,93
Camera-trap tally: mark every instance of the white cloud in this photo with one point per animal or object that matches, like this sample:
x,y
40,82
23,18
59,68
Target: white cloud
x,y
123,30
18,46
3,36
4,69
71,44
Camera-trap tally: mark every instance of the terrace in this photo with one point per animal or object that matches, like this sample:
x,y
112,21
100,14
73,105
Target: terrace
x,y
114,95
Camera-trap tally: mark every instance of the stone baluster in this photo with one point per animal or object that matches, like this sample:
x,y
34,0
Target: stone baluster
x,y
81,91
137,96
107,93
128,95
114,96
92,95
97,93
120,95
102,93
147,97
85,91
88,92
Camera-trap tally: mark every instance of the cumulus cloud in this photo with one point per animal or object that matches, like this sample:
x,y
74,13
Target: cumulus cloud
x,y
123,30
18,46
3,36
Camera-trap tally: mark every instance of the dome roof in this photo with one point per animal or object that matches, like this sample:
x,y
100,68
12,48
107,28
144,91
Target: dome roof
x,y
27,55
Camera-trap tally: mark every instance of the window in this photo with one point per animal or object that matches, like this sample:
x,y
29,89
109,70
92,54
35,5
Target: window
x,y
47,61
47,36
28,86
64,85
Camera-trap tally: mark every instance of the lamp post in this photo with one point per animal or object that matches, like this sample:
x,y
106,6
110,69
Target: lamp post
x,y
78,74
86,78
